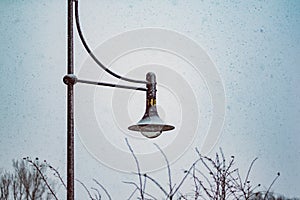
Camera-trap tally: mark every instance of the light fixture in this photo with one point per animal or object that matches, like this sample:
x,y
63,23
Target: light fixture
x,y
151,126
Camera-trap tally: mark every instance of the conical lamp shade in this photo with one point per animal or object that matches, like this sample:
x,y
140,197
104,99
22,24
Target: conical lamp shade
x,y
151,125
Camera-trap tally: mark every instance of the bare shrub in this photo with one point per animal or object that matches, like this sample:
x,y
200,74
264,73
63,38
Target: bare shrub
x,y
26,182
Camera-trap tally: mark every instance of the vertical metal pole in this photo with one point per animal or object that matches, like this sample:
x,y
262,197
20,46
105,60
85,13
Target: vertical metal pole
x,y
70,106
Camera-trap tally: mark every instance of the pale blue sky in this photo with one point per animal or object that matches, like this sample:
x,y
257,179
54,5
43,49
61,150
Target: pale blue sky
x,y
254,44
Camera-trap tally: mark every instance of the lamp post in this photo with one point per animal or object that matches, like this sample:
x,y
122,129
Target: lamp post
x,y
150,125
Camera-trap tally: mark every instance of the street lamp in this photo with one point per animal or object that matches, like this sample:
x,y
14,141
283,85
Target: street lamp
x,y
150,125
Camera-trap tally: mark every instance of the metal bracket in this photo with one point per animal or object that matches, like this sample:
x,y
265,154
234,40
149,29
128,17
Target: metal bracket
x,y
70,79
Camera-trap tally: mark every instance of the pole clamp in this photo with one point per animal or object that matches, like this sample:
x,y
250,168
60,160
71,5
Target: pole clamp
x,y
70,79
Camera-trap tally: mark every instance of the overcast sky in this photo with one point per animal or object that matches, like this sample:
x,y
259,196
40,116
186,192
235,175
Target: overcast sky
x,y
254,46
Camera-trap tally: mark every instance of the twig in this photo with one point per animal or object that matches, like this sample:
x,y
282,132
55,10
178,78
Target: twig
x,y
132,193
58,175
196,185
168,166
43,177
138,168
83,185
157,184
137,187
278,174
103,188
206,178
204,163
250,167
98,192
183,179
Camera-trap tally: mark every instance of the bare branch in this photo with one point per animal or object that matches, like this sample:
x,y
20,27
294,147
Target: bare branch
x,y
137,187
249,170
157,184
98,193
57,174
138,168
183,179
168,166
278,174
103,188
132,194
43,177
83,185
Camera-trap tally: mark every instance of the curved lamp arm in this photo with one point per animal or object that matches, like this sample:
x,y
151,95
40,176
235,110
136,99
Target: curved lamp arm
x,y
93,56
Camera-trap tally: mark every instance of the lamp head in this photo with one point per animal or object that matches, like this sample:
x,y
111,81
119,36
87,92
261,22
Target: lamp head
x,y
151,126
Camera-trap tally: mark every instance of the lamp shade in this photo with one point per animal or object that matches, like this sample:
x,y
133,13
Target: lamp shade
x,y
151,125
